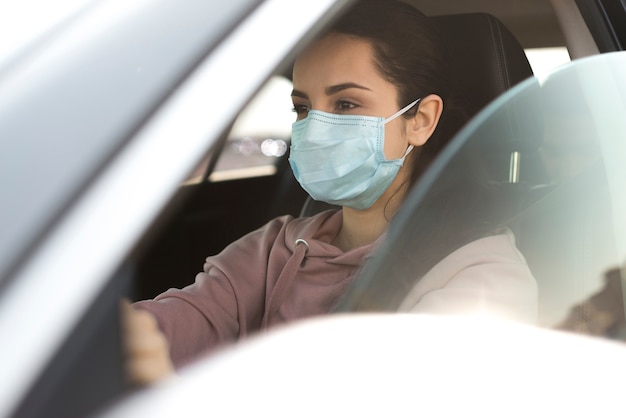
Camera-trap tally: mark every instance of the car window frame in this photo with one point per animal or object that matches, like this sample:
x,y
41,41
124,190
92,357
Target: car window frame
x,y
63,255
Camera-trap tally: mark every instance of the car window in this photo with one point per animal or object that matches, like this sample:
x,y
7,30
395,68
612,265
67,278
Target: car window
x,y
258,138
544,60
545,161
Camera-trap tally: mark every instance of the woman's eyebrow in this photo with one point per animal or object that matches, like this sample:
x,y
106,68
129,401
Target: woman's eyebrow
x,y
331,89
298,93
344,86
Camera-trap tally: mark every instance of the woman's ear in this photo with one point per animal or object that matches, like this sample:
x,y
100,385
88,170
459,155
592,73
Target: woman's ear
x,y
421,126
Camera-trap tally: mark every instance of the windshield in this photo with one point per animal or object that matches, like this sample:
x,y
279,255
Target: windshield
x,y
544,161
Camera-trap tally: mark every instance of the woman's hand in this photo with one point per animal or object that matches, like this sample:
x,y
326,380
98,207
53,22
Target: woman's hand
x,y
145,347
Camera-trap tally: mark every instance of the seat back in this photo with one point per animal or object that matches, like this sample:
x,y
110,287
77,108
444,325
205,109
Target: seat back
x,y
485,55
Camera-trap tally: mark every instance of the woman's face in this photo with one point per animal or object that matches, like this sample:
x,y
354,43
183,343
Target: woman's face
x,y
337,74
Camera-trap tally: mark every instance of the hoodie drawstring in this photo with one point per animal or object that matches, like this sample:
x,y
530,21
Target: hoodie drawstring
x,y
286,278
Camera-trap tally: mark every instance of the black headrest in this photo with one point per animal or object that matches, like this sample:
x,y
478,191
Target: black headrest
x,y
485,56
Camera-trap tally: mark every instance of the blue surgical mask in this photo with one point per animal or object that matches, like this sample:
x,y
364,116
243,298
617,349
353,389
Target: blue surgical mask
x,y
340,159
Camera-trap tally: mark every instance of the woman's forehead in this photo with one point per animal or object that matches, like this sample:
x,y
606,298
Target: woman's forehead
x,y
335,59
336,45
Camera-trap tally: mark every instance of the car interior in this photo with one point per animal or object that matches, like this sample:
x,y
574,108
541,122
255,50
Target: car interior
x,y
195,230
193,227
208,213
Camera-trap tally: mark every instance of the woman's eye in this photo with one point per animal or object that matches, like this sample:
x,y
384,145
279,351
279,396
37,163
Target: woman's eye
x,y
344,105
300,109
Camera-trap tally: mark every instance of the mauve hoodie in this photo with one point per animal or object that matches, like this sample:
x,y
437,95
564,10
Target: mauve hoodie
x,y
288,270
251,285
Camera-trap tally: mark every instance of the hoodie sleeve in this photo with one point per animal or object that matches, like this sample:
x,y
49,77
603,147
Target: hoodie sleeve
x,y
225,302
486,277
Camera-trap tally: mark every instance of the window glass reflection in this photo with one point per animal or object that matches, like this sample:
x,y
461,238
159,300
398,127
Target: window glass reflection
x,y
565,207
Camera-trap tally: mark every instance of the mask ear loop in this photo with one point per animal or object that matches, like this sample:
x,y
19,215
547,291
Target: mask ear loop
x,y
409,149
401,111
398,113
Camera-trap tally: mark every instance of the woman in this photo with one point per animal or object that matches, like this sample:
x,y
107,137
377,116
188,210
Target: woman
x,y
369,98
